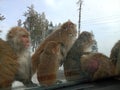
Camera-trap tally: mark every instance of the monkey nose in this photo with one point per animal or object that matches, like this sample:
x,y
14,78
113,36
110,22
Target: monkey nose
x,y
27,43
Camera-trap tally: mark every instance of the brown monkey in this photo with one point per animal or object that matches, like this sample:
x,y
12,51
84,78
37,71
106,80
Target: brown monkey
x,y
72,62
115,57
66,34
18,38
49,63
8,65
96,66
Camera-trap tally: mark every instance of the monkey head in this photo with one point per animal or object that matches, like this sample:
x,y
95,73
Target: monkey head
x,y
69,31
18,38
85,40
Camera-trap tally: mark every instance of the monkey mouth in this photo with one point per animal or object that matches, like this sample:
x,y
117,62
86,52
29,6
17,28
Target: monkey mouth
x,y
27,45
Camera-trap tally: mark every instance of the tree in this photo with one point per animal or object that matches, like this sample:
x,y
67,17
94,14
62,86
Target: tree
x,y
19,22
50,28
0,31
94,46
1,17
37,25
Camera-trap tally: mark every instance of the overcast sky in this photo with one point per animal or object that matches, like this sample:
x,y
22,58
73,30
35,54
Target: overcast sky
x,y
100,16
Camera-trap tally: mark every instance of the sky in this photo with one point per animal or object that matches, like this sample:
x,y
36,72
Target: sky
x,y
102,17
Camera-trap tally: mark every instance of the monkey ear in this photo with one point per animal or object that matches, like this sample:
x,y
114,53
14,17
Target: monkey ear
x,y
54,50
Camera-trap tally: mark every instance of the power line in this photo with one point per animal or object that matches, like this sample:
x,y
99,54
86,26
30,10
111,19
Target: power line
x,y
102,20
105,17
105,22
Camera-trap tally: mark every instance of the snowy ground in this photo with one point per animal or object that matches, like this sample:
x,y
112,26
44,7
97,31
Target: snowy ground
x,y
17,85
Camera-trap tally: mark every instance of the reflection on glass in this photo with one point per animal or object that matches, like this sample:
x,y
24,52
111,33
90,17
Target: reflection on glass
x,y
59,53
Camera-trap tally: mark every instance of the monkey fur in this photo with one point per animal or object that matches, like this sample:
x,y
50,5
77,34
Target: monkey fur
x,y
49,63
83,65
18,56
8,65
115,57
97,66
72,61
66,34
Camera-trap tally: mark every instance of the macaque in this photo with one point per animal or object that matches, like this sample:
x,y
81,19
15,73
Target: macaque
x,y
8,65
115,57
96,66
49,63
82,45
19,40
66,34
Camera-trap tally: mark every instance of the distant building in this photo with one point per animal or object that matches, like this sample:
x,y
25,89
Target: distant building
x,y
94,46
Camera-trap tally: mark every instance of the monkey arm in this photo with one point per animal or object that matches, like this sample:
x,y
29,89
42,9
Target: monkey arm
x,y
8,65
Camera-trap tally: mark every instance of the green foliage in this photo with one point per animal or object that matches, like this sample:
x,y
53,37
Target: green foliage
x,y
1,17
37,25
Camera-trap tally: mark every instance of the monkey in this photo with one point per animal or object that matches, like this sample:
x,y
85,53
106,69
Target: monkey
x,y
71,63
115,57
114,52
49,63
19,40
96,66
8,65
66,34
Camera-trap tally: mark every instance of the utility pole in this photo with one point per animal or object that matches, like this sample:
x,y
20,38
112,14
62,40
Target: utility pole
x,y
79,20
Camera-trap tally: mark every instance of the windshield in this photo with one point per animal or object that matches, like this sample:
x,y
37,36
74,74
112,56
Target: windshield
x,y
51,44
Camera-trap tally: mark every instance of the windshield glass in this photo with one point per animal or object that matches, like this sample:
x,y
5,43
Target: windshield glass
x,y
51,43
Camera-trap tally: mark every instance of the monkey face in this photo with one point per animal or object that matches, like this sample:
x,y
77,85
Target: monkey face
x,y
25,40
69,32
18,38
